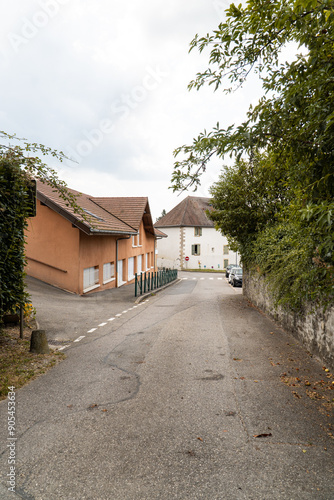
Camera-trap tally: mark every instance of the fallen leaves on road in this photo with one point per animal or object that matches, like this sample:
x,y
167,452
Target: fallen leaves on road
x,y
314,395
94,405
320,391
290,381
264,435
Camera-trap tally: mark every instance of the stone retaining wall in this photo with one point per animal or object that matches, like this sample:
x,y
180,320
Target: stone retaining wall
x,y
315,329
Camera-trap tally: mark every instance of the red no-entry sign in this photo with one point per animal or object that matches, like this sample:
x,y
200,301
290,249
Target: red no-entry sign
x,y
186,259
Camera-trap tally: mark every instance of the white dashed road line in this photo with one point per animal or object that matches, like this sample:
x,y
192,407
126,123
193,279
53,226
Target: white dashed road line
x,y
79,338
120,314
63,347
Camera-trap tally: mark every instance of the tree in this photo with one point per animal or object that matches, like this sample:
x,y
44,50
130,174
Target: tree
x,y
163,213
18,165
14,210
294,119
247,197
292,124
25,155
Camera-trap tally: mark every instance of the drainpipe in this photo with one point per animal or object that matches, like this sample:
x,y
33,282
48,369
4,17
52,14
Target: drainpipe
x,y
116,270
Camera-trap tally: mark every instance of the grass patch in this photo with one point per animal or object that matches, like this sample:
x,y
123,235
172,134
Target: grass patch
x,y
18,366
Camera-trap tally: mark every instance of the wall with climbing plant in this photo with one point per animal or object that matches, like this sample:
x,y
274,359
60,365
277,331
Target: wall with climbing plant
x,y
15,207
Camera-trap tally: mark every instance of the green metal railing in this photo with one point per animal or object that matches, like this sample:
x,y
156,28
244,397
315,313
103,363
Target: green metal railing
x,y
146,282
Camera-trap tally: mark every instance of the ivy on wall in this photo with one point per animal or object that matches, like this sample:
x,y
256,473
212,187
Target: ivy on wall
x,y
20,165
15,207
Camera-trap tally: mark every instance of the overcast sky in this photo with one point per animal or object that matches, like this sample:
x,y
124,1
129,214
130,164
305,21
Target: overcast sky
x,y
105,82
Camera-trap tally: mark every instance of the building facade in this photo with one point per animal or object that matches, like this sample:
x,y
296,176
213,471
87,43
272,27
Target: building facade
x,y
193,242
115,240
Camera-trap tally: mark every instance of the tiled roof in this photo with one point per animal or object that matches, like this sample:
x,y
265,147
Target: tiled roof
x,y
159,234
99,218
130,210
190,212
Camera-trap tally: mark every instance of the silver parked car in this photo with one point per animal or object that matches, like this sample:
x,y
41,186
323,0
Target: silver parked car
x,y
235,277
228,269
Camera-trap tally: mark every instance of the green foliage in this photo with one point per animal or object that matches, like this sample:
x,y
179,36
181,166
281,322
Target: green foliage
x,y
14,207
25,155
294,118
247,197
287,255
163,213
18,165
277,208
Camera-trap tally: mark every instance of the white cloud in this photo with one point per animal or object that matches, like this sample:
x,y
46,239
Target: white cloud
x,y
106,82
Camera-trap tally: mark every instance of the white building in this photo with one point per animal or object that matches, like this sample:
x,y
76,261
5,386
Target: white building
x,y
193,242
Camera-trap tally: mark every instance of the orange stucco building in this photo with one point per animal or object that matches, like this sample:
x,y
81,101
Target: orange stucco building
x,y
102,250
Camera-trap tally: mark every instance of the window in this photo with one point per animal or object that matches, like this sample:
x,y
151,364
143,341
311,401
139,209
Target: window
x,y
226,249
152,259
108,272
135,240
139,264
121,272
140,238
198,231
225,263
131,268
90,278
195,249
147,261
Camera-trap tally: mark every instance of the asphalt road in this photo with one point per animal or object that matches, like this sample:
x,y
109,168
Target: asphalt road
x,y
65,316
180,397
